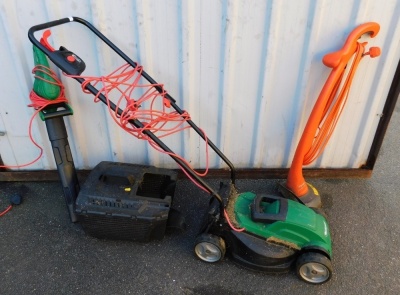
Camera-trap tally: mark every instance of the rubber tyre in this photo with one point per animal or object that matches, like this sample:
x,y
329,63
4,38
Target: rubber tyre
x,y
314,268
209,248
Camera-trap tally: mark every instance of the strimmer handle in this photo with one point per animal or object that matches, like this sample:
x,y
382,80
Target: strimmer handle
x,y
334,59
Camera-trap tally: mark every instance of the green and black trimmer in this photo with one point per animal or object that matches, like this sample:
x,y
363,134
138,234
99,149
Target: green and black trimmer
x,y
53,115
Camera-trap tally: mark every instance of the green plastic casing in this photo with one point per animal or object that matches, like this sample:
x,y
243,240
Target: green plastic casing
x,y
303,227
41,87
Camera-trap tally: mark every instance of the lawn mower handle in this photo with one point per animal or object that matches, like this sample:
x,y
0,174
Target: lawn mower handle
x,y
62,65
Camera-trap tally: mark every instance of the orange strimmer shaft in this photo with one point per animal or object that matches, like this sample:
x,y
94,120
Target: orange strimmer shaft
x,y
308,150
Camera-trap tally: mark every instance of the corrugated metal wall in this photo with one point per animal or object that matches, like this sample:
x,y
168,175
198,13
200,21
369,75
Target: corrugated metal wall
x,y
248,72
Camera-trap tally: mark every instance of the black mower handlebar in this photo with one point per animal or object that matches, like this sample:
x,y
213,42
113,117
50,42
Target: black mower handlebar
x,y
71,64
50,24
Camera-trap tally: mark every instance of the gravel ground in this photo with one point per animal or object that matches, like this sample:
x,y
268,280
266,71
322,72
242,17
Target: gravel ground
x,y
41,252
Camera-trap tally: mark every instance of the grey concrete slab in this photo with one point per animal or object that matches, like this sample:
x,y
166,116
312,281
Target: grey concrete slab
x,y
41,252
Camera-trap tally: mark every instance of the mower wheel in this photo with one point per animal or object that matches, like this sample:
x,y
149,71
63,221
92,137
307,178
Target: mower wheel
x,y
209,248
314,268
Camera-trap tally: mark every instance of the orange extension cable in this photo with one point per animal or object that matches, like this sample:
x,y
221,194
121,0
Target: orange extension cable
x,y
39,103
329,105
6,210
156,117
152,108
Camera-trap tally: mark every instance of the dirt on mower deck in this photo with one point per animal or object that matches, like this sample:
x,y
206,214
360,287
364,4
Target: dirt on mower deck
x,y
230,207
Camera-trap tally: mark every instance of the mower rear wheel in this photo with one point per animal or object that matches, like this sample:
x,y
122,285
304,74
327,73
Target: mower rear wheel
x,y
314,268
209,248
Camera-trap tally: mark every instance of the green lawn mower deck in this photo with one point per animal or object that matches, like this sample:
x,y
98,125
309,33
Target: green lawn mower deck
x,y
273,234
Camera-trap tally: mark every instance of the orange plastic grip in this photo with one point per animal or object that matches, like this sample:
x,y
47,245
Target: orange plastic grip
x,y
45,42
332,60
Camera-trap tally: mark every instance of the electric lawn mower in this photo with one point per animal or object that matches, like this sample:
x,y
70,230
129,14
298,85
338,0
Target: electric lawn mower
x,y
134,202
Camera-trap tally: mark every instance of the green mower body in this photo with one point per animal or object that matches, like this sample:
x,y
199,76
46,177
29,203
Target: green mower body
x,y
296,225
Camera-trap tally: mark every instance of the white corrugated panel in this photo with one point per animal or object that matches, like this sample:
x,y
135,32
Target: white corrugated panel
x,y
248,72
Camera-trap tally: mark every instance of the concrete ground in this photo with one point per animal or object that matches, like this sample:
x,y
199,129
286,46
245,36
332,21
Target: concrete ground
x,y
41,252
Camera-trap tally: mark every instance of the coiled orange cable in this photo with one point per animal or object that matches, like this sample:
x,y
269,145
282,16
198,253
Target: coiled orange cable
x,y
151,108
39,103
333,110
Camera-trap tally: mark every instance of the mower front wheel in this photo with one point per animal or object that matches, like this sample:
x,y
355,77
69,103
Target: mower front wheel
x,y
209,248
314,268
